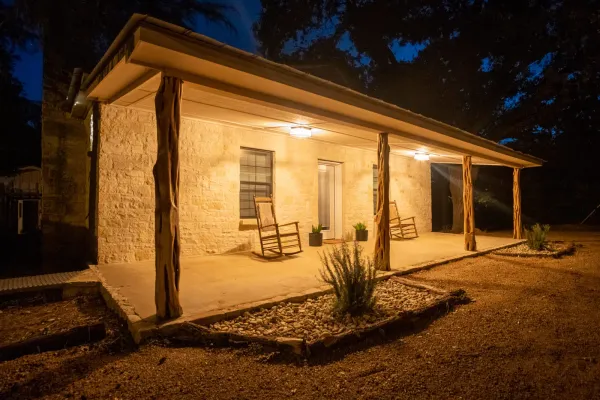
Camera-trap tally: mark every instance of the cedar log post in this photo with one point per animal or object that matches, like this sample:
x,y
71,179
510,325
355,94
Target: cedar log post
x,y
166,195
469,227
382,218
517,224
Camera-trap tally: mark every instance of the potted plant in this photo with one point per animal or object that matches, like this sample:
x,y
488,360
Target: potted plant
x,y
315,238
362,234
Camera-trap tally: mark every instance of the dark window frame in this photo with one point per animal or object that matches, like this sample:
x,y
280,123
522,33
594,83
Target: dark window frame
x,y
267,187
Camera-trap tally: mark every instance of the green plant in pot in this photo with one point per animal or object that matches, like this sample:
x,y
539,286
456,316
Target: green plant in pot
x,y
315,238
362,234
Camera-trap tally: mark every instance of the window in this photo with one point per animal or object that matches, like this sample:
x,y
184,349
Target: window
x,y
256,179
374,189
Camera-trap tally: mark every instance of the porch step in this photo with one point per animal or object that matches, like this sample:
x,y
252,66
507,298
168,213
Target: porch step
x,y
47,281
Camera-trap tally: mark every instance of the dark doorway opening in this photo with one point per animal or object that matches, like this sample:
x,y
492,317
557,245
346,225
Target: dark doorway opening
x,y
492,189
441,201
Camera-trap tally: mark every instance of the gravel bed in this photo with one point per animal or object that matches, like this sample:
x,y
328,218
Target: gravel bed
x,y
522,249
313,319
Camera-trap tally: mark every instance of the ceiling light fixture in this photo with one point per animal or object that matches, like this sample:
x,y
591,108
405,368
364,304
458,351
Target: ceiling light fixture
x,y
301,132
421,156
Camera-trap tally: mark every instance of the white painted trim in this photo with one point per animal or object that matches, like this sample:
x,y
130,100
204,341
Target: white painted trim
x,y
337,232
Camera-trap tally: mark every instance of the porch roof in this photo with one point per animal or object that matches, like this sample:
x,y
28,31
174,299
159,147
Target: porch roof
x,y
227,85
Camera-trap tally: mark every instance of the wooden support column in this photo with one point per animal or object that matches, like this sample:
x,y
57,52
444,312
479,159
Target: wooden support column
x,y
166,195
382,218
517,224
469,215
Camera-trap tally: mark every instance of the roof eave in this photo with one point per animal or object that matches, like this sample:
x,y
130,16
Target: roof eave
x,y
123,44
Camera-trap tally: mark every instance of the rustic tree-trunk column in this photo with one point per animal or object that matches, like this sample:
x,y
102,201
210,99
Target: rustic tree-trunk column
x,y
382,219
469,228
166,185
517,224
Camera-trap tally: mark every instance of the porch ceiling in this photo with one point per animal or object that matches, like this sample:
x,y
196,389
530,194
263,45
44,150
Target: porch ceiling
x,y
203,103
228,86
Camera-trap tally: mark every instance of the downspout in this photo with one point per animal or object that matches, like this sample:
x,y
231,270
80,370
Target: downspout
x,y
93,188
72,94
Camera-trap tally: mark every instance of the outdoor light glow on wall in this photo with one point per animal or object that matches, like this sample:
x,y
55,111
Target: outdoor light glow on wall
x,y
300,132
422,156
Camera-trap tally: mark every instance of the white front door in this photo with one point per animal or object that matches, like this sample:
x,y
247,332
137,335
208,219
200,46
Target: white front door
x,y
330,199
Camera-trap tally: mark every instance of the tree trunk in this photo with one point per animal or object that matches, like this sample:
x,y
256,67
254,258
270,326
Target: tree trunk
x,y
469,211
166,184
382,219
517,224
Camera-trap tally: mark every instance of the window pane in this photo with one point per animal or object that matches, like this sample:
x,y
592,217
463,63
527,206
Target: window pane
x,y
256,179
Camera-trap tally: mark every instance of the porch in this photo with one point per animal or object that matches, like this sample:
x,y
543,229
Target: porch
x,y
192,107
211,284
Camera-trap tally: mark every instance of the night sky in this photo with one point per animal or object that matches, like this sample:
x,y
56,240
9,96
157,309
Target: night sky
x,y
29,69
245,12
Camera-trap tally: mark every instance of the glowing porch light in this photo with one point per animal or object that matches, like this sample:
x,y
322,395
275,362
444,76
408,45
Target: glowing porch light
x,y
301,132
421,156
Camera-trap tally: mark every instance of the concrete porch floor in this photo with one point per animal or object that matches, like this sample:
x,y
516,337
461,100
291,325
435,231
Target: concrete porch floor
x,y
212,283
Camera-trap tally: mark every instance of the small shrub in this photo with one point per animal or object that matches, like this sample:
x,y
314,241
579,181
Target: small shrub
x,y
536,236
317,229
351,277
360,226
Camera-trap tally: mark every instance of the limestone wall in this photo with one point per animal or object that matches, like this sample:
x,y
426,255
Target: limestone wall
x,y
65,185
210,169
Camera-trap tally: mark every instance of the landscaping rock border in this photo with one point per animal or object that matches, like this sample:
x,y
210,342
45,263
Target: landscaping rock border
x,y
190,333
404,322
314,318
565,250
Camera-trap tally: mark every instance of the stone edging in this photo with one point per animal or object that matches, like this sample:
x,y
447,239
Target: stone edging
x,y
569,249
404,322
189,332
143,330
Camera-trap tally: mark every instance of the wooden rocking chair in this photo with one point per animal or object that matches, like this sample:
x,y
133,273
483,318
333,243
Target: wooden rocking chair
x,y
399,227
273,239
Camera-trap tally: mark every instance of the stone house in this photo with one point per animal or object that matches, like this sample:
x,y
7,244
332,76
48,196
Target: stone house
x,y
248,127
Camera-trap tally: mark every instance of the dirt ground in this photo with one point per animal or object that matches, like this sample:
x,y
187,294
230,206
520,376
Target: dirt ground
x,y
20,321
532,331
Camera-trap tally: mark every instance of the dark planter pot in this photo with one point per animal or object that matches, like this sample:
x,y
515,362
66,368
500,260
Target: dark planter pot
x,y
315,239
362,236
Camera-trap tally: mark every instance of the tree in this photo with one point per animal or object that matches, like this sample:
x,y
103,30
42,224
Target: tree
x,y
19,132
76,33
523,73
476,55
